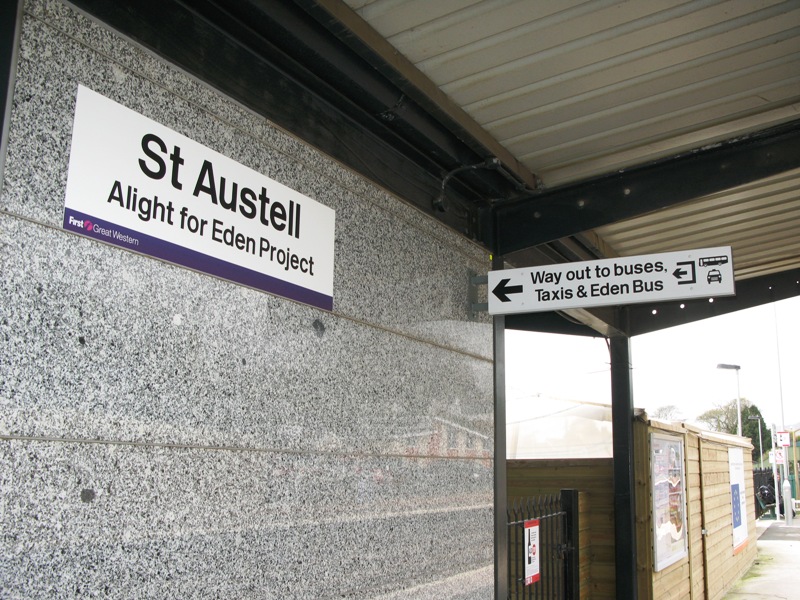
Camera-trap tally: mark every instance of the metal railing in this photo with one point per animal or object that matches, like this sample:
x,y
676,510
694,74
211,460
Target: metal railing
x,y
558,577
764,502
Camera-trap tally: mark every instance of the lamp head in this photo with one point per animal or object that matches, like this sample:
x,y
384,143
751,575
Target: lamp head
x,y
724,366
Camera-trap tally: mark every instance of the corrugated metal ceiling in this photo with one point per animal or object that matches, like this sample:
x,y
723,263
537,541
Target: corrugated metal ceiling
x,y
577,88
761,221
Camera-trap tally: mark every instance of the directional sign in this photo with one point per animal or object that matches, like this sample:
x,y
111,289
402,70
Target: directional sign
x,y
614,281
776,457
784,440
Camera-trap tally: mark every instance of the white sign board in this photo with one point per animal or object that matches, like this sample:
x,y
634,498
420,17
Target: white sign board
x,y
614,281
784,439
738,498
137,184
776,457
532,551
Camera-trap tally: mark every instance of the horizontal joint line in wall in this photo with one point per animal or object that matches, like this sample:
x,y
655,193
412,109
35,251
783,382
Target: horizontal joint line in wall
x,y
214,447
335,313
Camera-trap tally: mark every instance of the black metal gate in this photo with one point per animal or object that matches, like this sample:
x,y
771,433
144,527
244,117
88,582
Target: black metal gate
x,y
557,517
764,498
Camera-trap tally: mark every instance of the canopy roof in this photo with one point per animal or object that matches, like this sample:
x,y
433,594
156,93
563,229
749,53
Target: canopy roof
x,y
544,131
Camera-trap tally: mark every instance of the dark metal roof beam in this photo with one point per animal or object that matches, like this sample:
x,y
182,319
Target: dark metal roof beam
x,y
637,319
572,209
278,60
645,318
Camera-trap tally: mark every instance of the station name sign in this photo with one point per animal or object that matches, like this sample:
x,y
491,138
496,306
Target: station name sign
x,y
614,281
137,184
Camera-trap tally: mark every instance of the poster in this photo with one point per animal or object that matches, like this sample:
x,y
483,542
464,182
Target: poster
x,y
532,551
669,500
139,185
738,498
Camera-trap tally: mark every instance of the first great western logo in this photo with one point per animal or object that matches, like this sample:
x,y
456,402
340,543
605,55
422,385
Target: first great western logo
x,y
81,223
118,237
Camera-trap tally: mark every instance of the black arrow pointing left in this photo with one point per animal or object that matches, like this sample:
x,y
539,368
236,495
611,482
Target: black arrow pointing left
x,y
502,290
680,273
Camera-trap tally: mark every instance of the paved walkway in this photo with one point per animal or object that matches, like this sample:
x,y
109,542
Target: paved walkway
x,y
776,572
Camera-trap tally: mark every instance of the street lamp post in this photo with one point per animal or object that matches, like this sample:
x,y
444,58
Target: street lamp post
x,y
787,487
738,396
760,446
775,470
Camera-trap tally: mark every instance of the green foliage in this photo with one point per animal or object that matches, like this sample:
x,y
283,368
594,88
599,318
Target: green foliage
x,y
722,418
750,430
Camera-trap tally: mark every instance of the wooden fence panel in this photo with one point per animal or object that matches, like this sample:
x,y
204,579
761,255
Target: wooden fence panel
x,y
711,565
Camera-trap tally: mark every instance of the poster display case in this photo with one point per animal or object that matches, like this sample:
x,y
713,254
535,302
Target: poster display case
x,y
669,499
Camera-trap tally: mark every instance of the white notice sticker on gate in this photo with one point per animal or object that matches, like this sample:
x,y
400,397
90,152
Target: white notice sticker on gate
x,y
531,551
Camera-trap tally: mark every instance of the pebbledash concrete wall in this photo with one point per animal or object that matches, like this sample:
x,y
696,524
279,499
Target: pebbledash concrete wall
x,y
167,434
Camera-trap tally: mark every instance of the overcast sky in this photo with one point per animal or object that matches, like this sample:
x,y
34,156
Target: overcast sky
x,y
673,366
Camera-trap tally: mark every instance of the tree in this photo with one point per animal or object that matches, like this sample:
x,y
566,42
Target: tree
x,y
669,412
750,430
724,418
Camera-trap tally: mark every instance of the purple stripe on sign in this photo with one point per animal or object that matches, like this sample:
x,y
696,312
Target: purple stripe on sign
x,y
111,233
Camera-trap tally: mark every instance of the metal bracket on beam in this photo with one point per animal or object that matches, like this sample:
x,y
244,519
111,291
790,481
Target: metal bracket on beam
x,y
473,306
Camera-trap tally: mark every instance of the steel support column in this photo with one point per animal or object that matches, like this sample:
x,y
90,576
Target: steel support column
x,y
624,507
500,477
572,575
